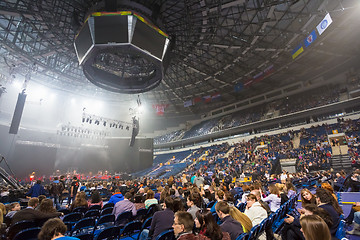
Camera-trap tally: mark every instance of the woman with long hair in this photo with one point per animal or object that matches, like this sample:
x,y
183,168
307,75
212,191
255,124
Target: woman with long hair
x,y
150,199
241,218
47,206
307,197
314,228
273,199
205,222
80,201
328,187
95,199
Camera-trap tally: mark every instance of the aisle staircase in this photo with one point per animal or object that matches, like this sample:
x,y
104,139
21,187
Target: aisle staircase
x,y
296,141
341,162
231,150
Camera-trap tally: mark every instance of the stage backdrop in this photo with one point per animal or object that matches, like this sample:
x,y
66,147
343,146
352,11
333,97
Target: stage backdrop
x,y
115,156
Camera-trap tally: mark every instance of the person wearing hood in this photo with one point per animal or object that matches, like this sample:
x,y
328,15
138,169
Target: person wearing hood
x,y
116,197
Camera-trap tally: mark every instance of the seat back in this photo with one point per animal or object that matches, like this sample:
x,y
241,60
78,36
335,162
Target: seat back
x,y
28,234
80,209
92,213
82,224
109,233
123,218
95,207
166,235
85,236
108,205
106,211
65,211
109,218
72,217
131,228
19,226
243,236
140,214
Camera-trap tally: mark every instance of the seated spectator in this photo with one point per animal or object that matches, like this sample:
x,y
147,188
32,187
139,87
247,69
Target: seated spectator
x,y
219,196
116,197
265,205
339,181
314,228
254,210
14,207
138,201
80,201
283,195
30,213
326,201
327,186
230,225
46,206
183,226
241,218
273,199
36,190
207,226
124,206
150,199
307,198
193,201
95,199
291,191
54,229
312,209
162,220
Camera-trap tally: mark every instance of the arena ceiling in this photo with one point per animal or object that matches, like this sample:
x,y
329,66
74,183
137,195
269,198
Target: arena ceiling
x,y
218,44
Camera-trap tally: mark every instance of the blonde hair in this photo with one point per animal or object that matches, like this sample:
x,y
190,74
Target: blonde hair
x,y
241,218
2,212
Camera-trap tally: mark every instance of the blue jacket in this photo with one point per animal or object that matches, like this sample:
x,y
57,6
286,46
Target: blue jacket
x,y
116,198
36,190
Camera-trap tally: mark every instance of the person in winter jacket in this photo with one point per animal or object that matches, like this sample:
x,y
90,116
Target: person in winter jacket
x,y
116,197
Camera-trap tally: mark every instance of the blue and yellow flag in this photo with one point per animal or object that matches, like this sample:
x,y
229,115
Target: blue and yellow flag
x,y
297,51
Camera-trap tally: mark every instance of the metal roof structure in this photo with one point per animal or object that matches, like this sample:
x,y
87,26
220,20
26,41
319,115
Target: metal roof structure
x,y
218,44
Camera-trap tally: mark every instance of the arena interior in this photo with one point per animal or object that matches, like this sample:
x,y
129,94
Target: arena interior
x,y
180,119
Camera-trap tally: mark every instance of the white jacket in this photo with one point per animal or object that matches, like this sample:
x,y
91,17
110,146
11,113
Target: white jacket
x,y
256,213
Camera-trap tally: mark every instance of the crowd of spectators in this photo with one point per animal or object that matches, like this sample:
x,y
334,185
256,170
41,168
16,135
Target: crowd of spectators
x,y
291,104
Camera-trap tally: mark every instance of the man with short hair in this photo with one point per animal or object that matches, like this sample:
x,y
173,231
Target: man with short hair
x,y
183,226
36,190
162,221
30,213
265,205
124,206
230,225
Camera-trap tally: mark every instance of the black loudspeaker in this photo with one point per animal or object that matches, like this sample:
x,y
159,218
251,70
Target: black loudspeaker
x,y
14,127
135,132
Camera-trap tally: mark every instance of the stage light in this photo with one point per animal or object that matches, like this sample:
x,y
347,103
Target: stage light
x,y
104,123
127,128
